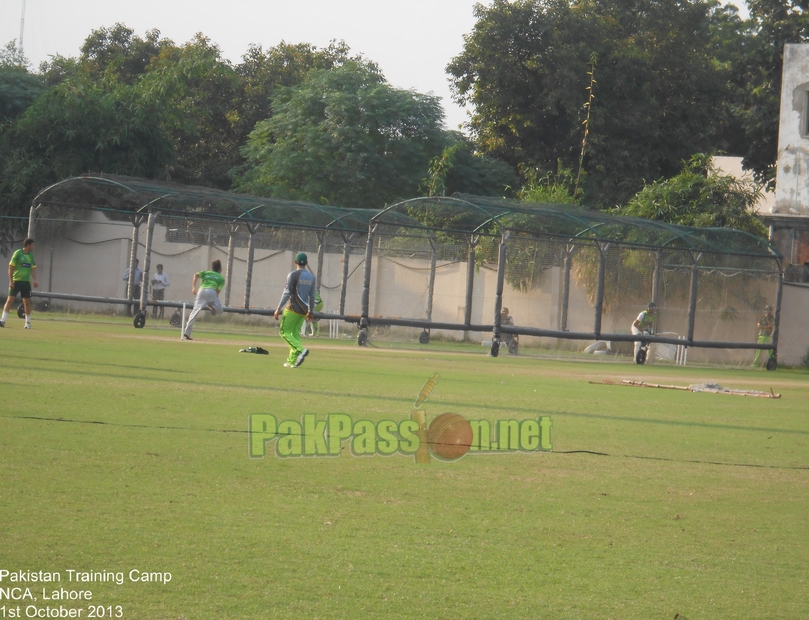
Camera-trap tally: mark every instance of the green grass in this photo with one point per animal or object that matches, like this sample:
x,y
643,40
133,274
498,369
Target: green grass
x,y
126,449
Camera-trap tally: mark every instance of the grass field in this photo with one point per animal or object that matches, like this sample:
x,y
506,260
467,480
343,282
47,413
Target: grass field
x,y
126,450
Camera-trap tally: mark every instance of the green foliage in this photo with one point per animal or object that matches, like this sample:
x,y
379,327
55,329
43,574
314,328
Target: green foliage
x,y
460,169
662,92
343,136
18,87
262,73
120,54
558,189
197,93
77,127
699,196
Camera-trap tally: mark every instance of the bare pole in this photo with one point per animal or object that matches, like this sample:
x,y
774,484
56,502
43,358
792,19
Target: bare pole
x,y
22,28
229,272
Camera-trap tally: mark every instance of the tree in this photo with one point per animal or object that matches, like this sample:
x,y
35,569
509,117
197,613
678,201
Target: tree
x,y
18,87
459,168
78,127
262,73
660,95
197,92
118,51
699,196
345,137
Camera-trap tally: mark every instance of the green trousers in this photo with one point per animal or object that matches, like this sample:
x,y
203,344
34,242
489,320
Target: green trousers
x,y
762,339
290,330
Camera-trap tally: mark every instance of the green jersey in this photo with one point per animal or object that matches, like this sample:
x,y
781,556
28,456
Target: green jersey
x,y
23,264
212,279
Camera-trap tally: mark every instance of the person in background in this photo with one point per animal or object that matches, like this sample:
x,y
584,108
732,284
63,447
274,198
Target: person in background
x,y
765,327
160,282
22,272
135,292
644,324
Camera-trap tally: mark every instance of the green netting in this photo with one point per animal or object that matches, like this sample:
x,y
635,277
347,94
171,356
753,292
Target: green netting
x,y
492,216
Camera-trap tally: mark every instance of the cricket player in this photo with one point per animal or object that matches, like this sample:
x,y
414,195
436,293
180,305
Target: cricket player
x,y
208,296
296,304
22,272
644,324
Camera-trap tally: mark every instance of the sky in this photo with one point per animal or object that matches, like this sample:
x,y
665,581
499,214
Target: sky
x,y
412,41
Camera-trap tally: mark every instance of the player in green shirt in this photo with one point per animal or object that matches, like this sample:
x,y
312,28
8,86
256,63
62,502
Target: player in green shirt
x,y
207,296
22,272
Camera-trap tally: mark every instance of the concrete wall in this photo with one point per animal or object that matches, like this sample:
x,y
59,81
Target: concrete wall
x,y
793,341
792,180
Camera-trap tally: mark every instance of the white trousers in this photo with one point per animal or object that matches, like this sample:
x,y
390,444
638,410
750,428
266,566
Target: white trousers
x,y
206,298
636,332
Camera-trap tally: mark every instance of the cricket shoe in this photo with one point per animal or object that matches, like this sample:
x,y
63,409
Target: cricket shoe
x,y
288,365
2,323
27,326
301,357
187,337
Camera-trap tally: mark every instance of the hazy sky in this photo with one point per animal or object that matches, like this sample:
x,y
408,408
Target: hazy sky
x,y
411,40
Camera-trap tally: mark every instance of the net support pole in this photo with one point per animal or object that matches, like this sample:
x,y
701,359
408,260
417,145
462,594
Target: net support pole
x,y
229,269
470,284
656,278
692,300
366,281
248,280
321,251
344,280
133,256
32,221
498,295
431,284
568,259
778,295
599,305
147,261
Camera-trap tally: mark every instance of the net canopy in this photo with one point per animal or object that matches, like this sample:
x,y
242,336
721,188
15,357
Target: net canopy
x,y
122,198
466,214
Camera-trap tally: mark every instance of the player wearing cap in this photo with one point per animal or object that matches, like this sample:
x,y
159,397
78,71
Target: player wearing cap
x,y
296,304
208,296
644,324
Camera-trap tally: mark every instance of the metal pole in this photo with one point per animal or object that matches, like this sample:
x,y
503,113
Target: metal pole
x,y
778,294
599,305
431,284
251,249
229,271
32,219
133,256
366,282
321,252
147,261
344,281
692,302
470,284
566,287
656,278
498,294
